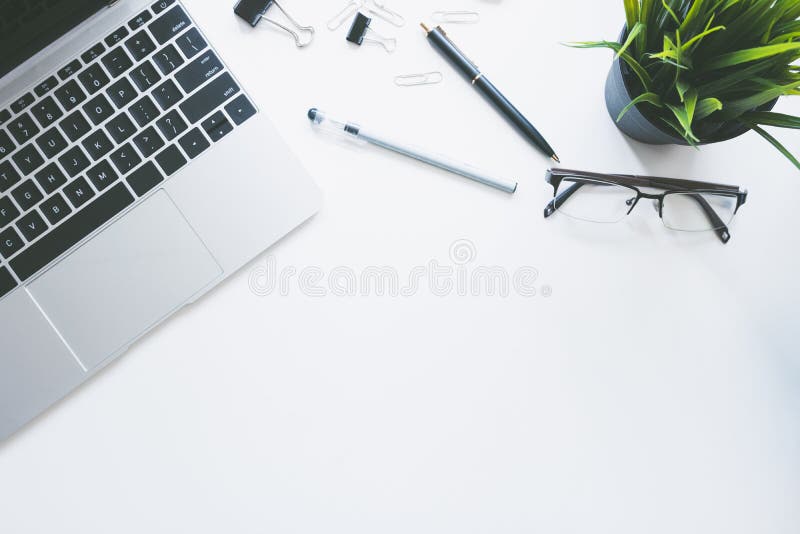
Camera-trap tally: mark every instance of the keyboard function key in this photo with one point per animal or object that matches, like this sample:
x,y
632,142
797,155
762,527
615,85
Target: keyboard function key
x,y
31,226
55,209
46,86
22,102
191,43
199,71
145,178
5,116
170,160
117,37
209,98
217,126
69,70
93,53
93,78
240,109
169,24
158,7
117,62
140,20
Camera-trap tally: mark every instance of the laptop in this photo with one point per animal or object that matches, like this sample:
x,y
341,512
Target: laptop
x,y
136,174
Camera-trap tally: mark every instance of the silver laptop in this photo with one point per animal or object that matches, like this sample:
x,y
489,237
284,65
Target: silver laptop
x,y
136,173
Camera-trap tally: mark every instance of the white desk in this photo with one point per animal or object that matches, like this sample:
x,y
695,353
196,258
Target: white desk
x,y
655,390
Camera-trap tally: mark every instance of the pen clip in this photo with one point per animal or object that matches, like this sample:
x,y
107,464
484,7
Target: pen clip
x,y
456,48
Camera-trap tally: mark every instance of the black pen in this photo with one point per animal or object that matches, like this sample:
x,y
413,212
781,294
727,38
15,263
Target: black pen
x,y
439,39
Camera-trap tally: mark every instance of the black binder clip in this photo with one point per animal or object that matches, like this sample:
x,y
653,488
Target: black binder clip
x,y
254,11
359,33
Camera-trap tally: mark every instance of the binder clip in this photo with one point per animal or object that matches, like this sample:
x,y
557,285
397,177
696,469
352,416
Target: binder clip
x,y
254,11
359,30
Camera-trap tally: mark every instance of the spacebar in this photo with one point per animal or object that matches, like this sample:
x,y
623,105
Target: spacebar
x,y
74,229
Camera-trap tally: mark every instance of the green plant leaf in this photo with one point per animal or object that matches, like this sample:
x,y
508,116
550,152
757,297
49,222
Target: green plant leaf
x,y
650,98
706,107
685,113
769,118
777,144
751,54
637,29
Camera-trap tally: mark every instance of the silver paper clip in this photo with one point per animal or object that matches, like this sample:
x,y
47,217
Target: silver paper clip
x,y
349,10
359,30
457,17
411,80
254,11
379,9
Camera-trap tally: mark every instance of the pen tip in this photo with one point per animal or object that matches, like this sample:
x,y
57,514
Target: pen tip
x,y
424,27
555,158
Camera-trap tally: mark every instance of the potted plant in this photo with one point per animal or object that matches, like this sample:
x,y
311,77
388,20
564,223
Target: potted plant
x,y
693,72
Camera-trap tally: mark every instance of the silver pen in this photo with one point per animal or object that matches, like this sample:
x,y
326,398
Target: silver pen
x,y
321,120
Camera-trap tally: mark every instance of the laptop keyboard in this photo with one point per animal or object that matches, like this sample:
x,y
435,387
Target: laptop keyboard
x,y
106,129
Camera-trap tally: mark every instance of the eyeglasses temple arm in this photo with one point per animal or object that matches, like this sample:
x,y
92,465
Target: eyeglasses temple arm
x,y
720,228
559,201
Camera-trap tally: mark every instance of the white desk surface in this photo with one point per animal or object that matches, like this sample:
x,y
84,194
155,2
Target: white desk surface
x,y
655,390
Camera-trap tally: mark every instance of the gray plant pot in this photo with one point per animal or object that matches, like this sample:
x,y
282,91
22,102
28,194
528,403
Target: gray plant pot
x,y
622,88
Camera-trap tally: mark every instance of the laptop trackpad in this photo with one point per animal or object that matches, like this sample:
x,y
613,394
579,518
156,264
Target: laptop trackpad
x,y
125,280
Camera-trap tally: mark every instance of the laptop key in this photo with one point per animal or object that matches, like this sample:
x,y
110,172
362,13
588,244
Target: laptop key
x,y
9,176
46,86
158,7
140,46
122,93
168,59
50,178
31,226
74,161
23,129
47,112
144,111
169,24
171,125
199,71
69,70
10,242
93,53
28,159
117,36
102,175
7,282
117,62
167,94
145,76
75,126
209,98
79,192
145,178
70,95
240,109
23,102
125,159
93,78
170,160
191,43
8,212
98,109
97,144
69,233
148,142
120,127
5,115
27,195
140,20
6,145
217,126
194,143
55,209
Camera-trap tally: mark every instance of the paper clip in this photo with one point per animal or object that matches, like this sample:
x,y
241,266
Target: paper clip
x,y
349,10
360,28
426,78
254,11
379,9
457,17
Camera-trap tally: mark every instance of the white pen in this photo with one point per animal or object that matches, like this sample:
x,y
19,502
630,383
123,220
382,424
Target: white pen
x,y
321,120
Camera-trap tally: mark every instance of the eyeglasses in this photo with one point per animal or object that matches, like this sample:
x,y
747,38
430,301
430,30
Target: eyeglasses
x,y
686,206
